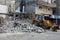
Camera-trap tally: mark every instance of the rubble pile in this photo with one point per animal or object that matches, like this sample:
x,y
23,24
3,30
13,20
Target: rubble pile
x,y
19,26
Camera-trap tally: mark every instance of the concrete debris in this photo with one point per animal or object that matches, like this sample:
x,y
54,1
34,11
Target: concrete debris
x,y
2,31
19,26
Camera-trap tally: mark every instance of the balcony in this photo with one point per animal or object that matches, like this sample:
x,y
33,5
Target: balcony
x,y
41,2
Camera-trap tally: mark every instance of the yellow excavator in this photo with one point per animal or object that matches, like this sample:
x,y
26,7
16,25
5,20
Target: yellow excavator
x,y
45,23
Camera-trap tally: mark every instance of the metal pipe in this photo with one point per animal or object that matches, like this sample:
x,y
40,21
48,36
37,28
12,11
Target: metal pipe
x,y
23,8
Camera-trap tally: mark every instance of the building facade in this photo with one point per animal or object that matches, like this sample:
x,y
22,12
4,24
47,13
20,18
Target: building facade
x,y
45,7
9,3
35,6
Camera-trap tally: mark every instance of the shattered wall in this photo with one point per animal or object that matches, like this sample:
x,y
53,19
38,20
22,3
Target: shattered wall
x,y
43,10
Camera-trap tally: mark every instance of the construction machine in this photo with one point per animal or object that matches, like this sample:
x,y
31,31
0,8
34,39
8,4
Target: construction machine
x,y
43,23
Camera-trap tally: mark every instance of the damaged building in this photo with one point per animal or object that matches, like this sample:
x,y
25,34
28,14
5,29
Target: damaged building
x,y
38,6
26,15
45,7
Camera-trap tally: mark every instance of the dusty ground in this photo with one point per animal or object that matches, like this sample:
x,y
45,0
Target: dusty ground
x,y
49,35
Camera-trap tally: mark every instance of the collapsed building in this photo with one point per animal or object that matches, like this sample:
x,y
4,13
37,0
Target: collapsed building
x,y
27,9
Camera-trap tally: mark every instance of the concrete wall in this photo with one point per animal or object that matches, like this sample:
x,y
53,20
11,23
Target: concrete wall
x,y
3,9
42,10
9,3
48,1
5,2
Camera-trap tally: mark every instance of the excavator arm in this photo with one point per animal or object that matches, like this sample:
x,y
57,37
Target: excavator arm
x,y
36,22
